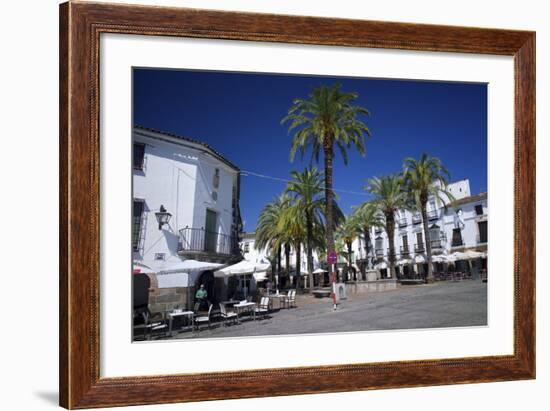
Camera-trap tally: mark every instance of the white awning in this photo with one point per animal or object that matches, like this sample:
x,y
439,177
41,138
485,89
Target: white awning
x,y
142,269
319,271
419,259
241,268
440,259
260,276
186,266
173,280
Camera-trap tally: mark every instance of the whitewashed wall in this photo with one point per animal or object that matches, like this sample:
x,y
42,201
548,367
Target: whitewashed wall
x,y
180,177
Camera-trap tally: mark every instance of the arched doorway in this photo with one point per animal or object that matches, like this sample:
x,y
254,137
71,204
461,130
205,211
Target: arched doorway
x,y
207,279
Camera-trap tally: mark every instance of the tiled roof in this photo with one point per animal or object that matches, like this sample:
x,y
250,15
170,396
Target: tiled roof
x,y
190,140
470,199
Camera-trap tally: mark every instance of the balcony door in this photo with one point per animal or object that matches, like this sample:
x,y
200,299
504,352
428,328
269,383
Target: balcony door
x,y
210,234
482,226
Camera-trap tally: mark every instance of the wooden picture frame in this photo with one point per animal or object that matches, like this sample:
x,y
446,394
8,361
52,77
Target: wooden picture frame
x,y
80,27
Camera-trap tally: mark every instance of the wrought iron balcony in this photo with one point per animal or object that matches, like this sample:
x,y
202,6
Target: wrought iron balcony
x,y
402,222
417,218
379,252
404,250
436,244
199,240
419,248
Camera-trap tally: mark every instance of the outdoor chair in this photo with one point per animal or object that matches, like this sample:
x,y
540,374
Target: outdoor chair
x,y
228,315
290,299
263,308
203,318
153,324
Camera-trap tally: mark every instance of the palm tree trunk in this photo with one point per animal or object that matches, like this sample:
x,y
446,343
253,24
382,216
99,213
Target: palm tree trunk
x,y
367,247
430,276
329,195
278,265
309,226
287,259
297,271
390,224
349,275
329,198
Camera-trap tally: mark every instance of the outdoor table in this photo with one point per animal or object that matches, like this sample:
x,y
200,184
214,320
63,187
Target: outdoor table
x,y
172,314
243,307
275,297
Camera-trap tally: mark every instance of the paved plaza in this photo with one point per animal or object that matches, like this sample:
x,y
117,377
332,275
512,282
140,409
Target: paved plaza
x,y
445,304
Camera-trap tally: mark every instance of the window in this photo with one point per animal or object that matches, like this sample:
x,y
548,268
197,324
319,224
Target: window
x,y
137,220
405,246
482,227
379,246
160,256
457,237
479,209
216,180
139,155
419,242
246,247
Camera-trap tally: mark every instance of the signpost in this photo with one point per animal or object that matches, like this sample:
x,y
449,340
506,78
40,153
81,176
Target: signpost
x,y
332,258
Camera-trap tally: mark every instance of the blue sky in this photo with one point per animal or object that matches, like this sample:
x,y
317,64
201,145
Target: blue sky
x,y
239,115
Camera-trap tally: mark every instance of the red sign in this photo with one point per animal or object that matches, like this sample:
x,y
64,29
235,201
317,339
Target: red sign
x,y
332,257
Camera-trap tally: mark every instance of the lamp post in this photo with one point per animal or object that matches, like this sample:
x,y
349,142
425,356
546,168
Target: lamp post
x,y
163,217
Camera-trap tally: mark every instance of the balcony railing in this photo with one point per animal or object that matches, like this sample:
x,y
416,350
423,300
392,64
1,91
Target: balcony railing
x,y
200,240
419,248
436,244
417,218
457,243
432,215
481,240
379,252
404,250
402,222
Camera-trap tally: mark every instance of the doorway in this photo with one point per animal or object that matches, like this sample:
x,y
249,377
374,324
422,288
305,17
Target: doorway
x,y
210,231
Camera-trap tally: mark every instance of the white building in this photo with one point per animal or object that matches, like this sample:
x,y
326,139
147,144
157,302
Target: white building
x,y
199,188
459,225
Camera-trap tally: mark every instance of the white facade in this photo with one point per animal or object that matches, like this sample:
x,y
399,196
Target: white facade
x,y
454,226
189,179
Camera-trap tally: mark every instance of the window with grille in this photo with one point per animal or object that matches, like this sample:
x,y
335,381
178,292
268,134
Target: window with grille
x,y
139,155
457,237
137,218
479,209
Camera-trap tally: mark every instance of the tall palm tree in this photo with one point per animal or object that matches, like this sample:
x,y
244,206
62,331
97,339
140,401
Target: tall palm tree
x,y
368,216
424,179
327,118
307,189
389,198
268,233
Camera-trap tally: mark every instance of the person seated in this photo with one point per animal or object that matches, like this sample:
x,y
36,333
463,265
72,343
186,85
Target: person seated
x,y
201,298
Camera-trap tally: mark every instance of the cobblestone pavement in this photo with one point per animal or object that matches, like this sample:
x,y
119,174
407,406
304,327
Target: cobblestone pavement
x,y
448,304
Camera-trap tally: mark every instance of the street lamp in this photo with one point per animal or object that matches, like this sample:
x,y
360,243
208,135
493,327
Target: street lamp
x,y
163,217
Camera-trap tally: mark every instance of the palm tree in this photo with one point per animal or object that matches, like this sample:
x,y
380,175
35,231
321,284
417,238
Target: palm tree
x,y
293,225
389,198
307,189
268,234
325,120
347,233
368,216
424,179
